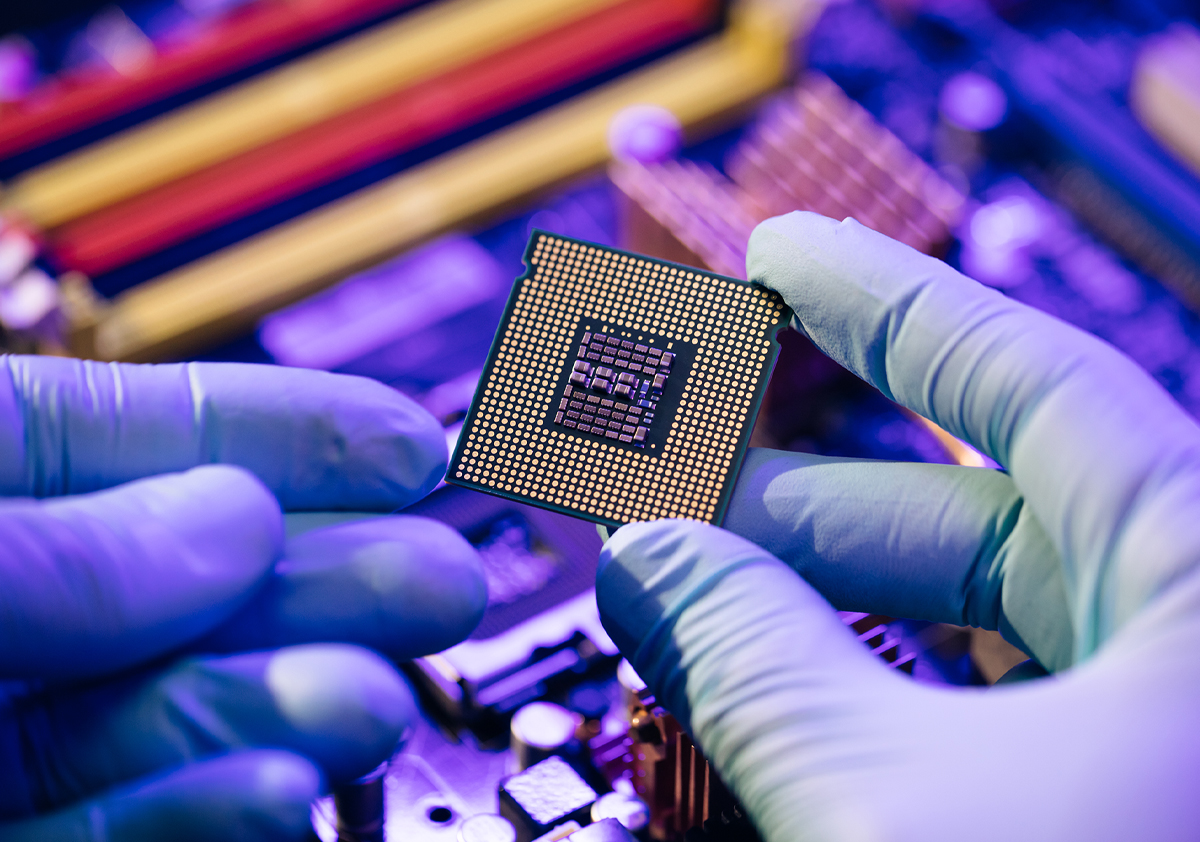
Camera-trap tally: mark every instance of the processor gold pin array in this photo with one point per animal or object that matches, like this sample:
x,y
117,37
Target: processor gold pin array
x,y
619,388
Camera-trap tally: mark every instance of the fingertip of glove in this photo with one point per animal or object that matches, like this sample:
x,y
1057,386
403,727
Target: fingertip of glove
x,y
279,778
350,703
455,586
649,572
227,503
796,227
269,790
240,487
403,442
223,514
422,582
332,441
427,449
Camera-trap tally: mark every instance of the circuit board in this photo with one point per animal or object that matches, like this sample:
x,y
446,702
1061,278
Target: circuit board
x,y
619,388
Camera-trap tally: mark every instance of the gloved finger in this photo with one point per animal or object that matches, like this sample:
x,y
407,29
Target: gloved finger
x,y
250,796
1103,456
931,542
317,440
405,586
343,707
671,598
99,582
750,659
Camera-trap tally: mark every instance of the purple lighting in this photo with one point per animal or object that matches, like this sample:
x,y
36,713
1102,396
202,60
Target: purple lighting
x,y
973,102
383,305
645,133
18,68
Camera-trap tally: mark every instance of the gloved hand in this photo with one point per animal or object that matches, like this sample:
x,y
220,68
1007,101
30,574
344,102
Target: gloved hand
x,y
146,549
1085,555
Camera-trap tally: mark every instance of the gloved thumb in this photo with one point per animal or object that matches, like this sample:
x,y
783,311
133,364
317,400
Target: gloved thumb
x,y
820,741
752,661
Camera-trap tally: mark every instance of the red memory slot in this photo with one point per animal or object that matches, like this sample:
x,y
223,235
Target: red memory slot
x,y
417,115
265,29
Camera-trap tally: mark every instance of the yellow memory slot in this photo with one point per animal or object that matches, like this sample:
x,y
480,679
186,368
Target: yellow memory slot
x,y
307,91
225,293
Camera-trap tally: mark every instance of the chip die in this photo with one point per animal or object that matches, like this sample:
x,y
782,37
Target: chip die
x,y
619,388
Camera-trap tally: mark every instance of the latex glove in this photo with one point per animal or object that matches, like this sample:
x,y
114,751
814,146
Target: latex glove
x,y
1085,554
106,732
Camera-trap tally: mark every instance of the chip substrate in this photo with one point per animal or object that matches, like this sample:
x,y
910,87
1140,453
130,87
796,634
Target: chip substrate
x,y
619,388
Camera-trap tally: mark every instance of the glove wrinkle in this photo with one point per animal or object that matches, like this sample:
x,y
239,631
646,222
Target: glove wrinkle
x,y
317,440
206,425
13,429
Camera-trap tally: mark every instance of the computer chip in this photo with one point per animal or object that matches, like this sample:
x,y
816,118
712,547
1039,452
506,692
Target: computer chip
x,y
619,388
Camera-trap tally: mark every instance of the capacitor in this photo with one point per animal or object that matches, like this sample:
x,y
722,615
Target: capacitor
x,y
628,809
544,798
539,730
360,807
487,827
605,830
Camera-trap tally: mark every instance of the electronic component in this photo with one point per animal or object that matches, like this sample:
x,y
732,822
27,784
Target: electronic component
x,y
541,632
543,796
77,97
375,131
604,830
636,382
813,149
360,807
816,149
1105,166
322,85
549,432
213,299
626,808
539,730
487,828
413,322
686,212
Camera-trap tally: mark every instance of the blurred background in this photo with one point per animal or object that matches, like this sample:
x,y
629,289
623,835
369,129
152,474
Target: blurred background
x,y
349,184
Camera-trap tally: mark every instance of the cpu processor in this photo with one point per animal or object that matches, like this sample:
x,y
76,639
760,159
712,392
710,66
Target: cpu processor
x,y
619,388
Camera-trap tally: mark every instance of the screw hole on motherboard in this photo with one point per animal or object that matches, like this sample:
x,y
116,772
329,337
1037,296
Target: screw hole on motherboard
x,y
440,815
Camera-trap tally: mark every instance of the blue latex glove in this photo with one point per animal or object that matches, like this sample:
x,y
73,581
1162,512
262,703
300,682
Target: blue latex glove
x,y
1085,555
123,544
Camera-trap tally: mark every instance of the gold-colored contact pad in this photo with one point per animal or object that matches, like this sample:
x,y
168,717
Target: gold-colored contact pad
x,y
506,446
